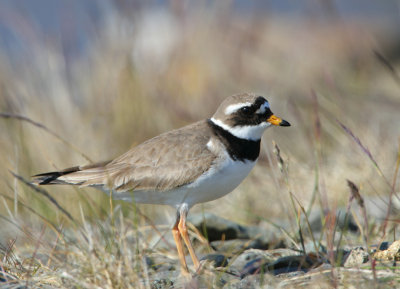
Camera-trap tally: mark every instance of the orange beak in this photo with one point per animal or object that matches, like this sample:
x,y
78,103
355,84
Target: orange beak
x,y
277,121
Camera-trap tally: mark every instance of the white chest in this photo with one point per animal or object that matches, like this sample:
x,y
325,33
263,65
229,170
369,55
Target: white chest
x,y
223,177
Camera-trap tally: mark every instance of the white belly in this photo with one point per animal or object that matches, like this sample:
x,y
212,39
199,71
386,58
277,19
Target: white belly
x,y
218,181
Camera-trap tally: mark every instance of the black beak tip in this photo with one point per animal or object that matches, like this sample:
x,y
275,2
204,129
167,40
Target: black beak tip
x,y
284,123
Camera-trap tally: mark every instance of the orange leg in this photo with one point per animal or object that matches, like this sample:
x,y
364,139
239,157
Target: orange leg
x,y
183,211
179,245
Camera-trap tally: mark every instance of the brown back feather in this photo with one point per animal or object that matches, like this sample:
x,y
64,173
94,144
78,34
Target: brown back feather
x,y
164,162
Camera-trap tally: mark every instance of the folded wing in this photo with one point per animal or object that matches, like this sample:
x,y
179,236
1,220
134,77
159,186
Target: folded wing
x,y
156,165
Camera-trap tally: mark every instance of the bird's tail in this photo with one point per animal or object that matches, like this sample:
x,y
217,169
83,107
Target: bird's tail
x,y
78,175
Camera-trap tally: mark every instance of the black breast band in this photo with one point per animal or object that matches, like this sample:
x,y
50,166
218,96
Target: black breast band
x,y
238,148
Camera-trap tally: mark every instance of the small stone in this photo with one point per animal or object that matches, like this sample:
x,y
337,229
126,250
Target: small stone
x,y
237,246
249,255
217,228
274,261
294,263
356,257
162,283
392,253
218,260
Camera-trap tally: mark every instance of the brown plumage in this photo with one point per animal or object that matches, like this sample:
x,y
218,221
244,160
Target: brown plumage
x,y
162,163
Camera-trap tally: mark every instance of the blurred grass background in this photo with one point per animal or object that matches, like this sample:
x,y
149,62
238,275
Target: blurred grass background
x,y
107,75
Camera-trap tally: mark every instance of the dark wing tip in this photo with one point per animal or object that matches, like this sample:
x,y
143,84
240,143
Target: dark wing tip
x,y
52,177
46,178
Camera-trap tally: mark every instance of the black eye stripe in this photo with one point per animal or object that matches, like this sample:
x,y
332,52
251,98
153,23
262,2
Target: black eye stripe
x,y
247,110
255,106
242,119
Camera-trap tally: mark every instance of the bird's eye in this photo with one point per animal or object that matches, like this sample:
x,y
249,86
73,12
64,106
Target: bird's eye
x,y
246,110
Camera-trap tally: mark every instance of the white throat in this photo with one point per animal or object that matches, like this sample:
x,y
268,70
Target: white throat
x,y
248,132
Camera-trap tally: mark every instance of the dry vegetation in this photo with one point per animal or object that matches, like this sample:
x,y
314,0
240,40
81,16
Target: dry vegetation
x,y
147,72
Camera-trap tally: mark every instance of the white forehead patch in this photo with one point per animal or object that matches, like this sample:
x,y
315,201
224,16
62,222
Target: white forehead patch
x,y
235,107
263,108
